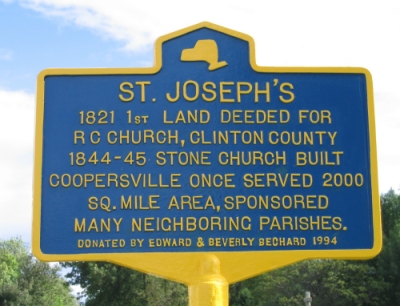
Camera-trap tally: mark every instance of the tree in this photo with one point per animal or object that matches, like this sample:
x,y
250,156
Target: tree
x,y
108,284
26,281
372,282
387,263
390,209
331,282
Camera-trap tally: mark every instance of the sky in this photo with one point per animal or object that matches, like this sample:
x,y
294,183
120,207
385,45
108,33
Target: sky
x,y
39,34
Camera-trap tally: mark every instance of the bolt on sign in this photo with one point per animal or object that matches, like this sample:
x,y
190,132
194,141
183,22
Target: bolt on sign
x,y
205,154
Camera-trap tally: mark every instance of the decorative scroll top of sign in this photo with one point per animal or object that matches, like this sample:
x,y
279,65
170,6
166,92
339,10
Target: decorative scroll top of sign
x,y
205,153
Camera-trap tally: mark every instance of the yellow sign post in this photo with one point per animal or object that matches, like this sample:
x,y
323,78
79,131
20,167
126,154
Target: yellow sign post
x,y
205,169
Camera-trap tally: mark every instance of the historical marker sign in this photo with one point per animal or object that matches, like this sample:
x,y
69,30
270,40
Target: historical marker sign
x,y
205,153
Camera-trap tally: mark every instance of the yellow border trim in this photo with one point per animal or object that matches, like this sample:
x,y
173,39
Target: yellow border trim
x,y
181,267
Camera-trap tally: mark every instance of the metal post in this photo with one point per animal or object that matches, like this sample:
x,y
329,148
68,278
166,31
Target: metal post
x,y
210,288
308,298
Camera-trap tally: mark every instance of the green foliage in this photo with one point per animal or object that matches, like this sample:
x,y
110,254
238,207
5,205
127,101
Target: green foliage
x,y
373,282
8,267
109,284
387,264
331,282
24,281
240,294
390,203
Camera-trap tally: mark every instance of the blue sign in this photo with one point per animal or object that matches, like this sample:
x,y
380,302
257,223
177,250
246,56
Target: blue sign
x,y
206,152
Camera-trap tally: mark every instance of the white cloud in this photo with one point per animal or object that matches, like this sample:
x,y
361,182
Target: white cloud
x,y
287,33
16,161
5,54
388,130
287,26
